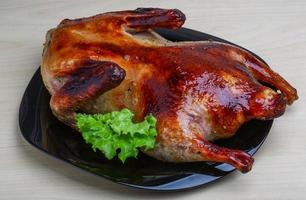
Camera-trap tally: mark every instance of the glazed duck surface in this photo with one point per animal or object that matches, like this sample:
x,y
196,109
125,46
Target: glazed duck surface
x,y
198,91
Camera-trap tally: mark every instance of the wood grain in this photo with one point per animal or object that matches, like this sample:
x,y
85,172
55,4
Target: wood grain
x,y
274,29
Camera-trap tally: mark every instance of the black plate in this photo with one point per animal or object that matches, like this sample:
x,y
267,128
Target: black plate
x,y
41,129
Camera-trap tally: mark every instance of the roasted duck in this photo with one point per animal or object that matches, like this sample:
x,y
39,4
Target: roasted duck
x,y
198,91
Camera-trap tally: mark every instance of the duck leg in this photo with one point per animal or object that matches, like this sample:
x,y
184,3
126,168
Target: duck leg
x,y
147,18
179,143
211,152
264,73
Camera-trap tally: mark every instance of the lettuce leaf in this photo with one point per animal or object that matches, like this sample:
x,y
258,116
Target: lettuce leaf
x,y
116,131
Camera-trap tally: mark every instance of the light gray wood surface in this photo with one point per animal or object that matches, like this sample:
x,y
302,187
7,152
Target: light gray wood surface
x,y
275,30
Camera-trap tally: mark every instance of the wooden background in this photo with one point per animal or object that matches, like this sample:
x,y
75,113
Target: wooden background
x,y
275,30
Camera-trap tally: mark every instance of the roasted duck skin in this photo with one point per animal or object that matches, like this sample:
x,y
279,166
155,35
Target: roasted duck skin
x,y
198,91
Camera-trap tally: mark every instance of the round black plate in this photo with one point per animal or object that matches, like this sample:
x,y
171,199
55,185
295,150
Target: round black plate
x,y
41,129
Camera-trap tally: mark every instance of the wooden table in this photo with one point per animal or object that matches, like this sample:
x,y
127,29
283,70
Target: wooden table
x,y
275,30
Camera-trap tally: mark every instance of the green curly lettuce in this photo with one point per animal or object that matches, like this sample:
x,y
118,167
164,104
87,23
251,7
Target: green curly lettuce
x,y
116,131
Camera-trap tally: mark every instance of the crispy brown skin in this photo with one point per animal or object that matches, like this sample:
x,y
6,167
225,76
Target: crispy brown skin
x,y
198,91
